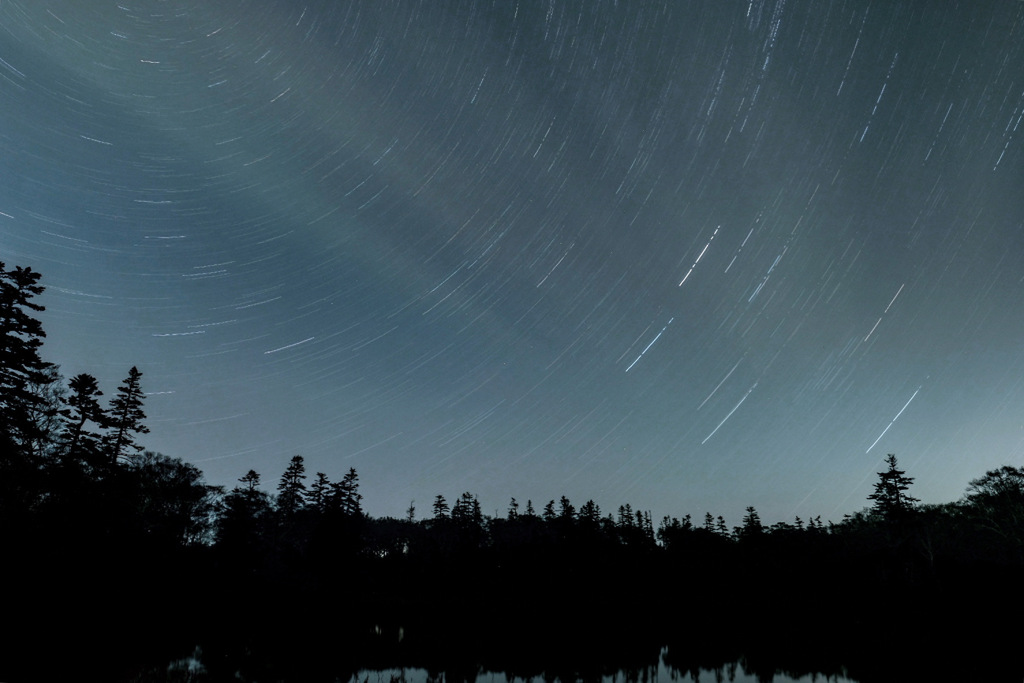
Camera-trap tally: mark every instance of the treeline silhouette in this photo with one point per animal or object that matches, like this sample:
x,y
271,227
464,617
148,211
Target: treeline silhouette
x,y
129,557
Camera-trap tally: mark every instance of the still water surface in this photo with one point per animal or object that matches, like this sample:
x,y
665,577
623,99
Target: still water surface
x,y
735,672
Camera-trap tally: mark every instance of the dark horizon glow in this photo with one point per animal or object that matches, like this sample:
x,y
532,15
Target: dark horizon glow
x,y
692,256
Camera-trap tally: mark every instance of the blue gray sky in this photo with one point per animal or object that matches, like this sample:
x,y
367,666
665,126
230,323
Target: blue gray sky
x,y
692,256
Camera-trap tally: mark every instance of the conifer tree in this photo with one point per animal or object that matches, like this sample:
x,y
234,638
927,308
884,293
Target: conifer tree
x,y
40,435
124,417
513,510
21,336
566,510
318,492
751,526
345,497
467,510
440,507
241,526
251,481
83,407
291,491
647,524
890,498
721,527
626,519
590,513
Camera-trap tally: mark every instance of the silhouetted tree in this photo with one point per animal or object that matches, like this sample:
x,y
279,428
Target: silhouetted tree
x,y
549,511
251,480
410,512
318,492
590,514
21,367
291,491
440,508
751,526
40,437
996,501
721,527
513,510
646,524
626,516
345,497
242,524
83,407
890,498
673,531
124,417
466,510
1002,487
174,505
565,509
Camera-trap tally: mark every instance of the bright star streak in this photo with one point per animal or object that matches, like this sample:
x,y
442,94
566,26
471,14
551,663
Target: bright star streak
x,y
735,408
699,256
289,346
891,423
885,311
894,298
651,344
729,374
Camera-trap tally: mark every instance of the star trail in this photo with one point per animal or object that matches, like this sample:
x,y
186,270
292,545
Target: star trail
x,y
693,256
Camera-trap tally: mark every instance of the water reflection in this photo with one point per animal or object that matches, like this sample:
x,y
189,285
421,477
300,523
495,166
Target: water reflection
x,y
741,671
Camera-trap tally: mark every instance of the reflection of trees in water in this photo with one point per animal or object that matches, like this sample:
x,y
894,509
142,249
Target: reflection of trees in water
x,y
699,670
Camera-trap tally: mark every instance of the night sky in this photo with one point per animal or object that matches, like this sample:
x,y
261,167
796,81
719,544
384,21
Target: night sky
x,y
693,256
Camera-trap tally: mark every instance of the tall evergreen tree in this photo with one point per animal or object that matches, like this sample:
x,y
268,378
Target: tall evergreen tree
x,y
590,513
626,519
83,408
513,510
21,336
345,497
251,482
566,511
124,417
41,435
241,526
318,492
646,524
891,499
751,525
721,527
440,507
291,491
467,510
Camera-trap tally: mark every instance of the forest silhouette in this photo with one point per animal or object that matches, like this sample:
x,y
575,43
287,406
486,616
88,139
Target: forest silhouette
x,y
123,559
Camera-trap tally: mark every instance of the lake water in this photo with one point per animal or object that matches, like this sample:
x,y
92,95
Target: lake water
x,y
732,673
735,672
